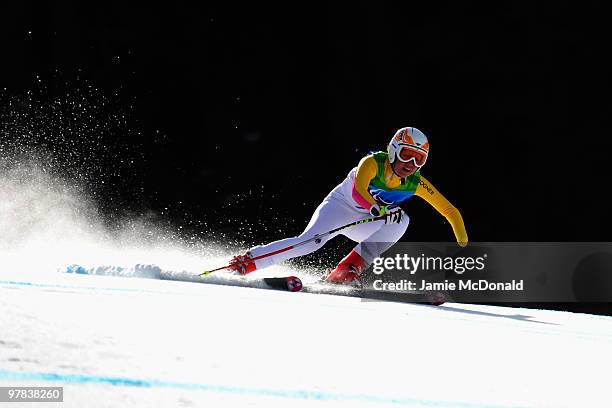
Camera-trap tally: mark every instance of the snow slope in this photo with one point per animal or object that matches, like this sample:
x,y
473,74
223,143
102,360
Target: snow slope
x,y
114,341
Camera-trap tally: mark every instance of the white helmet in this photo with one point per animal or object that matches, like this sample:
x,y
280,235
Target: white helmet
x,y
407,144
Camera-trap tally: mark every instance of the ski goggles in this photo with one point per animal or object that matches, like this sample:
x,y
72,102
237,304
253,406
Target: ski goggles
x,y
407,153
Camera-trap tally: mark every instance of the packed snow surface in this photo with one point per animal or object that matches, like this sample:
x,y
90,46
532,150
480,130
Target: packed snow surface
x,y
112,341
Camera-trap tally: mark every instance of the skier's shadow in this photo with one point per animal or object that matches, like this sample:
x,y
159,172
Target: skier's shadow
x,y
519,317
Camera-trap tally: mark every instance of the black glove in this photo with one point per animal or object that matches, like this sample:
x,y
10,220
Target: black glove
x,y
394,216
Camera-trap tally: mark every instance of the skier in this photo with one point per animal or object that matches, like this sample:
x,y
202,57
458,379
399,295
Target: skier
x,y
376,187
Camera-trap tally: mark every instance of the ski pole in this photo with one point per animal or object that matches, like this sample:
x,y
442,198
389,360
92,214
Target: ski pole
x,y
315,238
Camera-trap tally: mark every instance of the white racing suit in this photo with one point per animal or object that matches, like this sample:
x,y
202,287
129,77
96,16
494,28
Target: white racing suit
x,y
337,209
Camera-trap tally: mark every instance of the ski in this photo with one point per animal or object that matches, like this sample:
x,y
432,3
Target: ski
x,y
367,293
290,283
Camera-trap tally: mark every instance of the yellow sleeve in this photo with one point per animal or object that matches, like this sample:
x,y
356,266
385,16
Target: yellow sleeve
x,y
429,193
366,171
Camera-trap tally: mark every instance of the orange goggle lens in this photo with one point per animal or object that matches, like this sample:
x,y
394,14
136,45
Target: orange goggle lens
x,y
406,154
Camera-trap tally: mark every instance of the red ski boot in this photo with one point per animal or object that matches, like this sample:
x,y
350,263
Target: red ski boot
x,y
348,270
242,264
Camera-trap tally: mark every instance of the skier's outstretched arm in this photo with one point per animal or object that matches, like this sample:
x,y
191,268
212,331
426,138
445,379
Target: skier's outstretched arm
x,y
429,193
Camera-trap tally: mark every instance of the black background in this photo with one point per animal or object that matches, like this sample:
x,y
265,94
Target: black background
x,y
248,115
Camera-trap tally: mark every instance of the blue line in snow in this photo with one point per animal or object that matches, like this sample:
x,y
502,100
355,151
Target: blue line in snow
x,y
49,285
261,392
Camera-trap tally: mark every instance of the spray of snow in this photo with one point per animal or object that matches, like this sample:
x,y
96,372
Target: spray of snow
x,y
55,149
48,223
58,194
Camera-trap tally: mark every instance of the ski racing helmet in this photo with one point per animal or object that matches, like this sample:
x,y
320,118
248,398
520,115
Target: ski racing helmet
x,y
408,144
